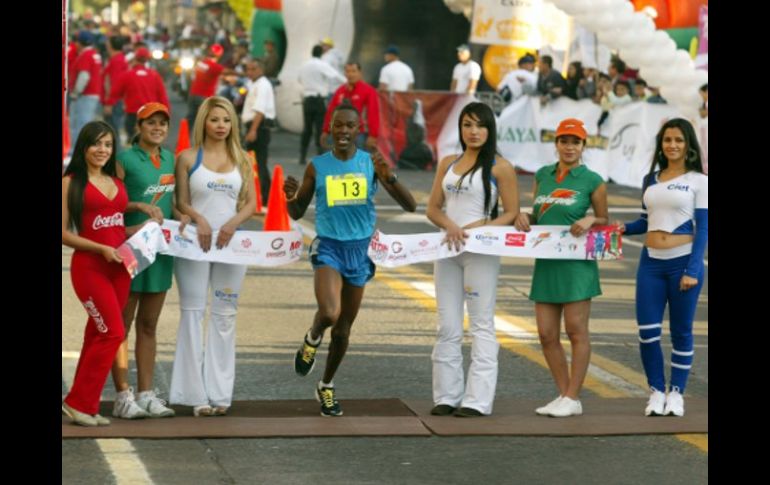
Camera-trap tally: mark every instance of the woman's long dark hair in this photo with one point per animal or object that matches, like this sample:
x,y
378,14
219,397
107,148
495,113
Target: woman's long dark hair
x,y
692,158
486,157
89,135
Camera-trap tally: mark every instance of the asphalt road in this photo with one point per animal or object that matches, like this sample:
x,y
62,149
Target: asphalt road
x,y
389,357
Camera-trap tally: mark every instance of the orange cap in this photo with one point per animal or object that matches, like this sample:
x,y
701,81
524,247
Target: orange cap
x,y
572,126
150,109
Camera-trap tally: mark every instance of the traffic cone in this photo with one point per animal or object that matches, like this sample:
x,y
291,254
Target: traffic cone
x,y
257,190
65,131
277,218
183,137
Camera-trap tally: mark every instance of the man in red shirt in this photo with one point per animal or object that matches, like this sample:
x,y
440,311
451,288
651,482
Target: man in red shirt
x,y
115,68
85,86
138,86
363,97
205,83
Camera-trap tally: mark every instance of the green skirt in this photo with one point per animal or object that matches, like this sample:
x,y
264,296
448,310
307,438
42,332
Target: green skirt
x,y
564,280
156,278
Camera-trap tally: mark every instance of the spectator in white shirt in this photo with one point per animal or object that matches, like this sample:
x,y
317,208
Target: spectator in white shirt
x,y
315,76
395,75
467,72
258,117
520,81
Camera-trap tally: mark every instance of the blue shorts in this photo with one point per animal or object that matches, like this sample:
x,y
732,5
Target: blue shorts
x,y
348,258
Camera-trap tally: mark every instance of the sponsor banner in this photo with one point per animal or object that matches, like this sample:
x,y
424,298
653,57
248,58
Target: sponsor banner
x,y
253,248
530,24
140,250
544,242
631,131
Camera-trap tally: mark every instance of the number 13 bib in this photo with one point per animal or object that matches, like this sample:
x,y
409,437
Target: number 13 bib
x,y
347,189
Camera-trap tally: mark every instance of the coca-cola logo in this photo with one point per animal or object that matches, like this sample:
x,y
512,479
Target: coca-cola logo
x,y
166,235
103,222
515,239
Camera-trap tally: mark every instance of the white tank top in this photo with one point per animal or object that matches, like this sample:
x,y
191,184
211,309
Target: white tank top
x,y
465,203
215,195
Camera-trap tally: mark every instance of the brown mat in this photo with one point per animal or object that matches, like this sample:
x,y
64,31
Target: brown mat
x,y
264,419
600,417
295,408
393,417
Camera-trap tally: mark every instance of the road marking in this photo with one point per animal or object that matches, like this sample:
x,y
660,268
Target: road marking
x,y
124,462
121,457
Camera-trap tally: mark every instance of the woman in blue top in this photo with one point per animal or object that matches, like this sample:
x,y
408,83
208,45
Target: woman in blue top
x,y
671,266
344,182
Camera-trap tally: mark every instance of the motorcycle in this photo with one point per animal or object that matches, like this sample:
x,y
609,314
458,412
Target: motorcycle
x,y
183,72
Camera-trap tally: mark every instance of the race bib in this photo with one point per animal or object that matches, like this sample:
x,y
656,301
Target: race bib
x,y
347,189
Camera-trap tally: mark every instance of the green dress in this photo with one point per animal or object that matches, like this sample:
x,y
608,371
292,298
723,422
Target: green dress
x,y
563,280
150,185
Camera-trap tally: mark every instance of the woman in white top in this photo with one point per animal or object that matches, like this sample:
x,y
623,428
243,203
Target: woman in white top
x,y
214,187
671,270
464,195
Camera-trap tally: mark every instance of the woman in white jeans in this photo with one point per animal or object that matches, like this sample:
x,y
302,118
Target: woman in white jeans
x,y
464,195
213,184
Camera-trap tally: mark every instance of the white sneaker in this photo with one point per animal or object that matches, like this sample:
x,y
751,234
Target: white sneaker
x,y
126,407
155,406
544,410
566,407
674,404
655,404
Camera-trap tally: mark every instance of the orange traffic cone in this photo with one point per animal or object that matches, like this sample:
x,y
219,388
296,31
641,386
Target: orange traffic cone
x,y
183,138
277,218
257,190
65,131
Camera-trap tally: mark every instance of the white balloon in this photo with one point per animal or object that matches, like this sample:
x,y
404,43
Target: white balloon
x,y
609,36
701,77
682,60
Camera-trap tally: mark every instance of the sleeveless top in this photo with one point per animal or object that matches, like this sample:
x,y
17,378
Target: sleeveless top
x,y
465,201
344,193
214,195
102,218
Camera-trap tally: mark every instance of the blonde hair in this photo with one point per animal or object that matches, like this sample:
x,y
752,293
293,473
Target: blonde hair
x,y
232,142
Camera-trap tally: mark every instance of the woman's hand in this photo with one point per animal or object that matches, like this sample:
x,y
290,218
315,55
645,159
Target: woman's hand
x,y
111,254
521,222
581,226
152,211
687,282
455,237
204,234
225,234
184,219
621,226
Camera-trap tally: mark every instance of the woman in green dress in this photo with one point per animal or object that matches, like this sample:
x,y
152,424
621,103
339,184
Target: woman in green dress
x,y
563,194
147,169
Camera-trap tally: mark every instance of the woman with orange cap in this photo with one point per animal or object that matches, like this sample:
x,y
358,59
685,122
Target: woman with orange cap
x,y
563,194
147,169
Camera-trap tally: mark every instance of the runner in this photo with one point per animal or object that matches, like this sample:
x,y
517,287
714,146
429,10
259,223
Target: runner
x,y
344,182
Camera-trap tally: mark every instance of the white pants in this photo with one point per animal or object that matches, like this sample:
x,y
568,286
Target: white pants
x,y
469,278
205,376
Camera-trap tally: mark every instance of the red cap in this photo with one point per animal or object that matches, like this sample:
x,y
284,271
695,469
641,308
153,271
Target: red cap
x,y
150,109
216,50
142,54
572,126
